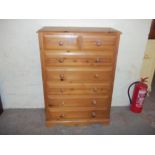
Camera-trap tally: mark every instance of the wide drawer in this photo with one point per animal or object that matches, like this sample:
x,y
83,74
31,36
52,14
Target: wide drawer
x,y
74,101
78,89
79,59
79,75
59,114
97,41
61,41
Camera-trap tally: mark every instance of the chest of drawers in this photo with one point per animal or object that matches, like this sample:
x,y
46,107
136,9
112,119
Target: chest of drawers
x,y
78,67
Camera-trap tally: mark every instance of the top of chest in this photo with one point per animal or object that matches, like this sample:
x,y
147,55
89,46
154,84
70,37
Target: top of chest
x,y
79,29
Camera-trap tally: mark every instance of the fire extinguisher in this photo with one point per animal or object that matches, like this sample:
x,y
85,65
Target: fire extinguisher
x,y
139,93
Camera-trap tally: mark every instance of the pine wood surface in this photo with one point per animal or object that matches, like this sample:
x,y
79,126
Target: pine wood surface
x,y
78,68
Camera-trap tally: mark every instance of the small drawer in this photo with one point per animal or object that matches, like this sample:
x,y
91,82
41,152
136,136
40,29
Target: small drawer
x,y
61,42
78,76
74,101
75,59
97,41
84,114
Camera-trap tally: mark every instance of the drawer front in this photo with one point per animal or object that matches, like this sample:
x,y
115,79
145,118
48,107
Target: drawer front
x,y
66,115
60,42
97,42
78,76
79,60
73,101
78,89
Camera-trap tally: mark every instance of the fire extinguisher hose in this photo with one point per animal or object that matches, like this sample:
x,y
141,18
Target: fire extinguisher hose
x,y
129,89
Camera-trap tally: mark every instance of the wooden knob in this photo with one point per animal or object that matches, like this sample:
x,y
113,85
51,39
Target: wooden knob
x,y
62,116
94,102
61,90
97,60
61,60
63,103
61,43
95,89
62,77
93,114
96,75
98,43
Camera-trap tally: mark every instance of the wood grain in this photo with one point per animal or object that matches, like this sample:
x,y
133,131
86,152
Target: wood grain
x,y
78,69
77,76
79,59
60,41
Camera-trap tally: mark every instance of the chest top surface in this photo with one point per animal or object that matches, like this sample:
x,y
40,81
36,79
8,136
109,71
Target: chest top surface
x,y
78,29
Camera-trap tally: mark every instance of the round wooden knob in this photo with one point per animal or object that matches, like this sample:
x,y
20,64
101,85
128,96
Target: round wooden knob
x,y
62,77
61,60
94,102
62,116
98,43
93,114
61,90
97,60
96,75
61,43
63,103
95,89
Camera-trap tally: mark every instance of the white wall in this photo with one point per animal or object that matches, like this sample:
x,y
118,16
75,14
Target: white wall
x,y
20,73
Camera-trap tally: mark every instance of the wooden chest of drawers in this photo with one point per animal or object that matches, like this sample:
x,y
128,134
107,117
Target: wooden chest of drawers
x,y
78,67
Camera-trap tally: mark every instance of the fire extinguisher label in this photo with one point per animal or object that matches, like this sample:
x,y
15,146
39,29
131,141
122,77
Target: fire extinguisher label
x,y
140,98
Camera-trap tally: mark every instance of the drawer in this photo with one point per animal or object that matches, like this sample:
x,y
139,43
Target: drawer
x,y
74,101
78,89
61,41
57,114
71,75
97,41
77,59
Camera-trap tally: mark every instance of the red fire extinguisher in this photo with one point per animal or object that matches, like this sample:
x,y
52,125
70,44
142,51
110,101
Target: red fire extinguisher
x,y
139,93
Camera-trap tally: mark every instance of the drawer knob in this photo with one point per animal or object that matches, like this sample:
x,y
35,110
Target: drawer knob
x,y
63,103
61,90
98,60
62,77
98,43
95,89
61,43
93,114
94,102
62,116
61,60
96,75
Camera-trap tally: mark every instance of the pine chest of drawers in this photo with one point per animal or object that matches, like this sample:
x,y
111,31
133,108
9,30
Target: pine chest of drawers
x,y
78,67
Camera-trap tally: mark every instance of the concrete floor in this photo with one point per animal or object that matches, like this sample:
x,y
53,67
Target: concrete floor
x,y
31,121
